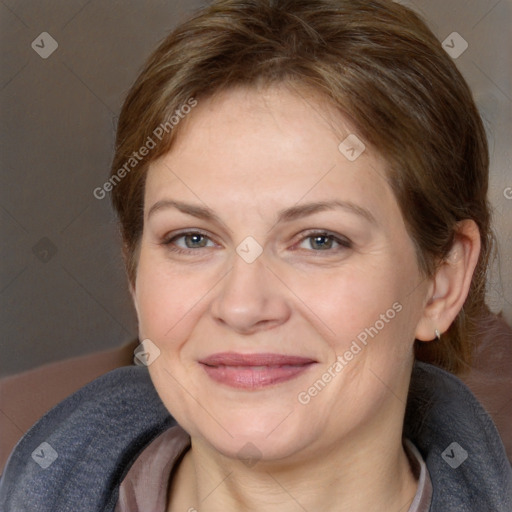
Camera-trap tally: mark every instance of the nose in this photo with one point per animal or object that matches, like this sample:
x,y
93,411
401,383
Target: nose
x,y
250,298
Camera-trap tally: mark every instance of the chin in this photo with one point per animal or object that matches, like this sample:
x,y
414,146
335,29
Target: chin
x,y
262,437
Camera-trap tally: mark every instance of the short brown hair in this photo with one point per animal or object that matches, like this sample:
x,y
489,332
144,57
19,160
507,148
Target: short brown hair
x,y
381,67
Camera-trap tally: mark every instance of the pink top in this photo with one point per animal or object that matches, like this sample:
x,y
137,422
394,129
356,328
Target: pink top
x,y
145,486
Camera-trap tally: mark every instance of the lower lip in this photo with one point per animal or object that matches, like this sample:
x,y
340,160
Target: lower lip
x,y
249,377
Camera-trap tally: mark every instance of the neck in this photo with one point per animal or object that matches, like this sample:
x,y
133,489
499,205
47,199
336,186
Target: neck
x,y
340,478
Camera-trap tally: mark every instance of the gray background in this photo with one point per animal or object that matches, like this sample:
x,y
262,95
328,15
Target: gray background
x,y
62,287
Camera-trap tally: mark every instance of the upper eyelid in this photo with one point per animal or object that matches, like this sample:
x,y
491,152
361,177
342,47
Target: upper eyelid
x,y
173,235
171,240
325,232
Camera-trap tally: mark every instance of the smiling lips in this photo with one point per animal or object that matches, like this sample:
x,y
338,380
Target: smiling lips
x,y
254,371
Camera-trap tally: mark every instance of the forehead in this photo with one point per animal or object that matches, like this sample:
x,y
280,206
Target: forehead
x,y
274,145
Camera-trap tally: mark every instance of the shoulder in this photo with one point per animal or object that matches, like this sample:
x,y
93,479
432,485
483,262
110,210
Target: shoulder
x,y
77,454
464,454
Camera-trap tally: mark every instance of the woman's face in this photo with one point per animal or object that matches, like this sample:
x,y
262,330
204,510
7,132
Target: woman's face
x,y
277,280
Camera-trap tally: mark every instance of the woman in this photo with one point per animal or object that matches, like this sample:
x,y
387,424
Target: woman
x,y
301,188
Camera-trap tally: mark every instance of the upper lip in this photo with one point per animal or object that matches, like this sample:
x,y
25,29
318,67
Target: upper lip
x,y
265,359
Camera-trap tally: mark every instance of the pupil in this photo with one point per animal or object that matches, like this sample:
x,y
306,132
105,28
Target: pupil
x,y
193,241
322,242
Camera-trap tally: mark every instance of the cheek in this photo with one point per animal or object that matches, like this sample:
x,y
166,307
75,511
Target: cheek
x,y
166,301
348,298
370,305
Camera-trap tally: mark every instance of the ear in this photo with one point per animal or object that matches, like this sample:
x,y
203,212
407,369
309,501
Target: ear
x,y
450,284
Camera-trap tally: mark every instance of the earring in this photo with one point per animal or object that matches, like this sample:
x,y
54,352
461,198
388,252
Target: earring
x,y
438,335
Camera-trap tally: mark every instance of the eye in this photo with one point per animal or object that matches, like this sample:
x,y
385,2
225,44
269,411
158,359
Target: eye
x,y
322,241
189,241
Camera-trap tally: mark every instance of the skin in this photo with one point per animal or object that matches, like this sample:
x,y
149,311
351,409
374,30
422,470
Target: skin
x,y
246,155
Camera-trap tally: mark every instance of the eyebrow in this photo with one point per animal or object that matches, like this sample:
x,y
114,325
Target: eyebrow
x,y
299,211
286,215
201,212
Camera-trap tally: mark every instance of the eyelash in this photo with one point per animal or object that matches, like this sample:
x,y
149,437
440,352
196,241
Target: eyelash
x,y
343,242
169,242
